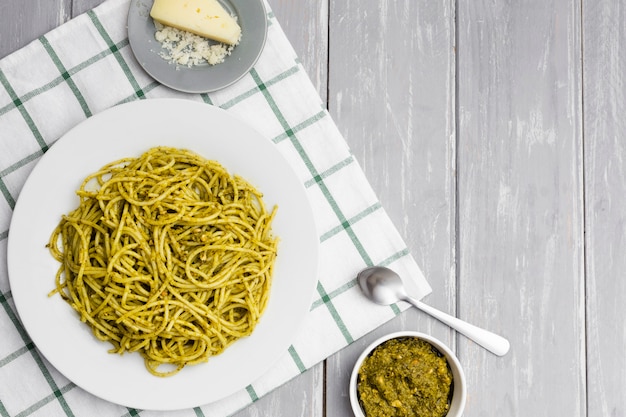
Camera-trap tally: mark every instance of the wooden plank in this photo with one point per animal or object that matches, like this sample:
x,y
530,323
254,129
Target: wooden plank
x,y
391,93
81,6
520,205
24,21
604,59
306,25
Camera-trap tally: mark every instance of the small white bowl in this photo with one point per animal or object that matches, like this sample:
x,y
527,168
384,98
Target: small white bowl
x,y
459,392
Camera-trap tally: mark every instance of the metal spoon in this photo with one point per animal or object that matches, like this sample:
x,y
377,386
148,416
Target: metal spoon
x,y
384,286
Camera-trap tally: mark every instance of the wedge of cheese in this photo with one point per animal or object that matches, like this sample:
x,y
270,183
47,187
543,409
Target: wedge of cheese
x,y
205,18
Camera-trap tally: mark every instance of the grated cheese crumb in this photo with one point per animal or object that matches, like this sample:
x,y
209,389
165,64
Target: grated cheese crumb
x,y
187,49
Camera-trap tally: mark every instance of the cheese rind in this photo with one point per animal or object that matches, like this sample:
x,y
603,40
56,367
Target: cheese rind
x,y
205,18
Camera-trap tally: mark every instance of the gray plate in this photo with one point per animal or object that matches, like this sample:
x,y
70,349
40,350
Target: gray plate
x,y
251,16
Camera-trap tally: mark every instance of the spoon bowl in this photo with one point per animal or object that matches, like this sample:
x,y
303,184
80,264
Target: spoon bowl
x,y
383,286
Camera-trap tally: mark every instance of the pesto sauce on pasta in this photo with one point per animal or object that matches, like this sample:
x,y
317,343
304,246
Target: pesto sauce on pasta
x,y
167,255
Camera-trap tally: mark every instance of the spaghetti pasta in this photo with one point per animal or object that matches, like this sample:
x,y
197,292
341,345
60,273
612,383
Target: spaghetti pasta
x,y
167,255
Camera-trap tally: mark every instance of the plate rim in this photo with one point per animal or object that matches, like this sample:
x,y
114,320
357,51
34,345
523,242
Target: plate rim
x,y
13,258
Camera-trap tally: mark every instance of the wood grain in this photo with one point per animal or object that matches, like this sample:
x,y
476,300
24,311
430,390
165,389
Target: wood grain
x,y
24,21
306,26
82,6
391,93
520,205
604,37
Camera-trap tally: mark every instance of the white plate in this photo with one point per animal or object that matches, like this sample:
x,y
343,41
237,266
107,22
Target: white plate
x,y
129,130
251,16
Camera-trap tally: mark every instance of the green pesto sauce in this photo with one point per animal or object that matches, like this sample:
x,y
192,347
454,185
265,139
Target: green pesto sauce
x,y
405,377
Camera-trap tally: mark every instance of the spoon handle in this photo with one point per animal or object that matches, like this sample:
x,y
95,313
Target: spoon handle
x,y
490,341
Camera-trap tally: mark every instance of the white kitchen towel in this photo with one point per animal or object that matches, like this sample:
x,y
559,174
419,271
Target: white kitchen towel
x,y
86,66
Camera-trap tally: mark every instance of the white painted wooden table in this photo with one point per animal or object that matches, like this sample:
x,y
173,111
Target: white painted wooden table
x,y
494,135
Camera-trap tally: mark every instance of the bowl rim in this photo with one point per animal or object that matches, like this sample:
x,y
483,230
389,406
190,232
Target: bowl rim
x,y
460,389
